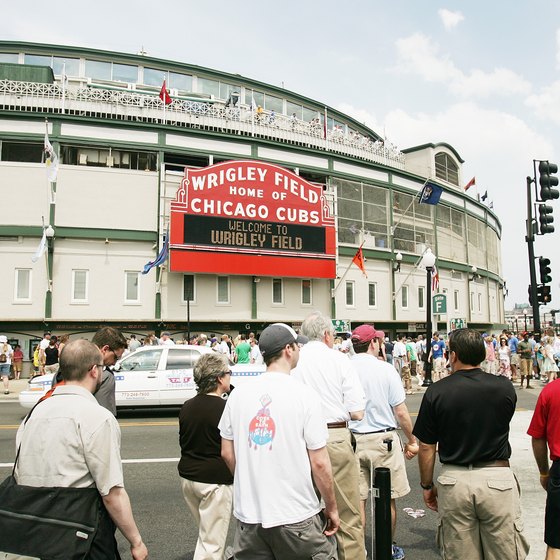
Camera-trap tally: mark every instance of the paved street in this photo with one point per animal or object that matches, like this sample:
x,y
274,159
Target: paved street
x,y
150,451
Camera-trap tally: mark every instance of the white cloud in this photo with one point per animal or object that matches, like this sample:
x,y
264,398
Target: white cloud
x,y
546,104
450,19
421,56
499,149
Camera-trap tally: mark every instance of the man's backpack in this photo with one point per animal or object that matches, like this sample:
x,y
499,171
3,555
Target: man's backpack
x,y
4,354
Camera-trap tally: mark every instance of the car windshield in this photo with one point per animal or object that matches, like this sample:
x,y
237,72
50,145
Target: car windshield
x,y
141,361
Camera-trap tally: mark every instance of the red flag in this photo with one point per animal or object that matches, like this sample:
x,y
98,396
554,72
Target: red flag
x,y
470,184
359,261
164,94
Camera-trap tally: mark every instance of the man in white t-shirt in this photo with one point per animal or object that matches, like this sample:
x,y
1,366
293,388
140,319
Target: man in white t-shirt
x,y
331,374
166,339
255,355
43,345
274,442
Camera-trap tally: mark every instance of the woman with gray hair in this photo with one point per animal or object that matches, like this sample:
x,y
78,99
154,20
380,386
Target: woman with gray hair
x,y
205,479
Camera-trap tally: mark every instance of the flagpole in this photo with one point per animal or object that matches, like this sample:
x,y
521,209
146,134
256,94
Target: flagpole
x,y
164,101
326,128
346,271
63,88
394,227
253,108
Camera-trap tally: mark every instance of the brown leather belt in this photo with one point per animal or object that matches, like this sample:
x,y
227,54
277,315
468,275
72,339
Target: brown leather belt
x,y
484,465
337,425
496,463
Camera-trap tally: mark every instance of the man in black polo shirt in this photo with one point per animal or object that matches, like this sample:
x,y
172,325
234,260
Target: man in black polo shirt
x,y
467,416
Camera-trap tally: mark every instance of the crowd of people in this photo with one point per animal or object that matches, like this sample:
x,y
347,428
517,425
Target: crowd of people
x,y
343,398
293,453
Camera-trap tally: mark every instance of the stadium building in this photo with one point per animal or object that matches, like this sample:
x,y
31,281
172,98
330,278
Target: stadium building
x,y
255,198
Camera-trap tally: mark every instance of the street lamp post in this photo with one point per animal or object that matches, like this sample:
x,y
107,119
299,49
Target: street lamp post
x,y
428,262
525,317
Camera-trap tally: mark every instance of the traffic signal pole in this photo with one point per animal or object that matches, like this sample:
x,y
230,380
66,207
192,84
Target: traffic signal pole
x,y
530,238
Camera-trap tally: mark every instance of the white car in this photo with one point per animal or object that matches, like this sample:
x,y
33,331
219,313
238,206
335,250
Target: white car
x,y
152,376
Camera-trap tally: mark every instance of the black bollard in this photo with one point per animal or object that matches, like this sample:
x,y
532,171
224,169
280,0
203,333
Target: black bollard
x,y
383,536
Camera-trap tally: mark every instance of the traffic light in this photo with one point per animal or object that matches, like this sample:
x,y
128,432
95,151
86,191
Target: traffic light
x,y
545,270
545,219
543,294
547,180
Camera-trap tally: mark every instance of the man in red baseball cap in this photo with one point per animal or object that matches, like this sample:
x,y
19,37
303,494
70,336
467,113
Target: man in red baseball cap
x,y
377,440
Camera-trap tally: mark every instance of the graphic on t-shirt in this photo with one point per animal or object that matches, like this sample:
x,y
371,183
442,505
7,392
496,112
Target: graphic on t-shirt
x,y
262,428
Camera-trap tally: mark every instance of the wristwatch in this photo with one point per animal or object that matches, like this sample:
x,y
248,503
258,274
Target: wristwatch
x,y
427,486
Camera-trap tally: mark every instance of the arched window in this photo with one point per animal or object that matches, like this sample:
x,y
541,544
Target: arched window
x,y
446,168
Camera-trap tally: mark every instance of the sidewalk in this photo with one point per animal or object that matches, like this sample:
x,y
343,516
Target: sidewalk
x,y
15,387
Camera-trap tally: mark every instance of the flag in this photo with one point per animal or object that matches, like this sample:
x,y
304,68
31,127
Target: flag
x,y
51,160
41,248
359,261
164,94
484,196
430,193
161,258
435,278
470,184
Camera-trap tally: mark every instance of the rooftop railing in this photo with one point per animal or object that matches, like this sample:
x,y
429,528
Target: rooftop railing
x,y
110,104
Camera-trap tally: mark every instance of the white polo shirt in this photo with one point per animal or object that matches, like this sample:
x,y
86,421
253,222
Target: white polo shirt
x,y
331,374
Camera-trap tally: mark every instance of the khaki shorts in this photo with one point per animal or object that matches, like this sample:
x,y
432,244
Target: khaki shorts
x,y
515,360
526,366
372,453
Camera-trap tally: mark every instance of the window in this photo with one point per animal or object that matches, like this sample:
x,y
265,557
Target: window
x,y
132,287
277,291
125,73
211,87
180,81
188,287
446,168
80,286
9,57
223,289
404,297
456,300
306,292
154,77
472,301
350,294
21,151
98,70
372,294
23,285
38,60
181,358
71,66
480,302
421,297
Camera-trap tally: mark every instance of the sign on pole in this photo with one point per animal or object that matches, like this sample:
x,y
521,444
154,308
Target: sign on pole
x,y
340,325
439,304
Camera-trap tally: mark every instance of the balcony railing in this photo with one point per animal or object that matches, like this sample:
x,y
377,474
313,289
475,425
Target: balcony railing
x,y
100,103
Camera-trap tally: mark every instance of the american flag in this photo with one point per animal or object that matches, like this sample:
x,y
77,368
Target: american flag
x,y
435,279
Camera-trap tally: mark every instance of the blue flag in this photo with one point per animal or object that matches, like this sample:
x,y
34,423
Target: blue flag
x,y
430,193
161,258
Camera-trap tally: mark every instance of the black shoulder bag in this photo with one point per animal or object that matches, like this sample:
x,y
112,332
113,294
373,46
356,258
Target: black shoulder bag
x,y
54,523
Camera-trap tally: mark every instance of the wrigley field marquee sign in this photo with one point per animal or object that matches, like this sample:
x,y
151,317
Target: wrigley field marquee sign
x,y
251,218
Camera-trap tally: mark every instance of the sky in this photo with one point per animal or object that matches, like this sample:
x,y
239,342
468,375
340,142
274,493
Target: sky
x,y
481,76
